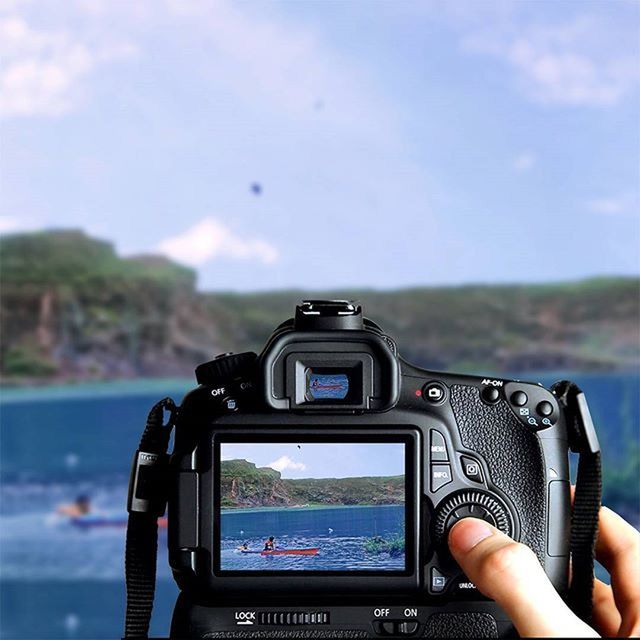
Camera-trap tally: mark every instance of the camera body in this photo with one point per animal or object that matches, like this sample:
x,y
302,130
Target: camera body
x,y
313,487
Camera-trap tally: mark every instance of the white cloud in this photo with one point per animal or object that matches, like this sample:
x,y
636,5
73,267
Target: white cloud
x,y
42,71
576,63
251,50
524,162
209,239
614,205
286,463
258,53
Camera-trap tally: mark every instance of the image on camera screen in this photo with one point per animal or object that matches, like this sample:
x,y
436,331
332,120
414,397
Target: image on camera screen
x,y
312,506
328,386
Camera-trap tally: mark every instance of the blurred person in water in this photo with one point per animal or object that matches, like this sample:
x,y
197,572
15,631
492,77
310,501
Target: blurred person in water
x,y
80,507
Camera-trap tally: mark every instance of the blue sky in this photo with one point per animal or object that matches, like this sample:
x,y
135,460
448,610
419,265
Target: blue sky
x,y
396,144
316,460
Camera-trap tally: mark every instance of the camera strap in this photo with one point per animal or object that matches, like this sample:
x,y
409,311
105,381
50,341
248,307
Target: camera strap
x,y
587,497
146,503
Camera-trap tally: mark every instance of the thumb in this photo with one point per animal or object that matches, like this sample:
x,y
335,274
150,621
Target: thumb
x,y
509,573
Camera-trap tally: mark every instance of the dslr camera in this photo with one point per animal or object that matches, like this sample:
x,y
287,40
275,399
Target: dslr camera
x,y
311,488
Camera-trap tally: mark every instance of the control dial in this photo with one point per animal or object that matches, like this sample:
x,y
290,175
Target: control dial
x,y
225,367
471,504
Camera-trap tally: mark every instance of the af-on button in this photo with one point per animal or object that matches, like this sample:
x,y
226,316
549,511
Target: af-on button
x,y
490,395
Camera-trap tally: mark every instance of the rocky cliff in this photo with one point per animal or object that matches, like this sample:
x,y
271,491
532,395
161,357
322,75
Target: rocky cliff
x,y
72,309
245,485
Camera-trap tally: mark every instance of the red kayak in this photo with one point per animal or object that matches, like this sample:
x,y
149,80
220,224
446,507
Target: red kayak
x,y
285,552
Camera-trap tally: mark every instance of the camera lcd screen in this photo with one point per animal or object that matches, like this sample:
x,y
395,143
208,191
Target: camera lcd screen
x,y
312,506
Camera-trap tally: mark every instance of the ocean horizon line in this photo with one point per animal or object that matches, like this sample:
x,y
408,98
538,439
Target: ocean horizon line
x,y
118,387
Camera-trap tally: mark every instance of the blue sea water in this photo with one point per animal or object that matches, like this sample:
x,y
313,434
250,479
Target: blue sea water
x,y
59,581
339,533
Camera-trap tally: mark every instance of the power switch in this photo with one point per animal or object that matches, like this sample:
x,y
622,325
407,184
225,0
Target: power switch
x,y
386,628
407,627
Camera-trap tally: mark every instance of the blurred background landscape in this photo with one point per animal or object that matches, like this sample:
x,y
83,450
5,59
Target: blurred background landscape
x,y
176,176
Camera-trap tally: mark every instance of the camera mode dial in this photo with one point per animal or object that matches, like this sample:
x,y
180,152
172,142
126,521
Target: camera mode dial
x,y
225,367
471,504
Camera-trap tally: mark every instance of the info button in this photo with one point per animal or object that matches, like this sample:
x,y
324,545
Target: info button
x,y
440,475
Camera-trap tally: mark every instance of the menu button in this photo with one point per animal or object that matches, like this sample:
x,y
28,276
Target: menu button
x,y
438,447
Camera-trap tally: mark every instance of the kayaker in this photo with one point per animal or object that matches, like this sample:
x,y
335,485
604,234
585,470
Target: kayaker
x,y
81,507
270,544
244,547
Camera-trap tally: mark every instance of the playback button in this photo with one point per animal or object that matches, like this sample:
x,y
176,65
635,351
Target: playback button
x,y
438,581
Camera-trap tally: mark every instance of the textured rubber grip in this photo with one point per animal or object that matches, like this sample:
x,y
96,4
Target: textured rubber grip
x,y
293,634
461,625
513,455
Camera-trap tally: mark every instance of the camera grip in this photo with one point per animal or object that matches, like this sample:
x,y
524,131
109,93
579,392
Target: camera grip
x,y
461,625
513,455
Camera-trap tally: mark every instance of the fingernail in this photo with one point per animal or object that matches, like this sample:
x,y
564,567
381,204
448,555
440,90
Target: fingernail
x,y
467,533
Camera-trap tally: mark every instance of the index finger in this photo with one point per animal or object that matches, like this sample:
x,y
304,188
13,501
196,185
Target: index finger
x,y
618,549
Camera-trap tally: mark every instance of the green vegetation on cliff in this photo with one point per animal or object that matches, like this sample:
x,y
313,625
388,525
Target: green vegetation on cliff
x,y
72,309
245,485
71,258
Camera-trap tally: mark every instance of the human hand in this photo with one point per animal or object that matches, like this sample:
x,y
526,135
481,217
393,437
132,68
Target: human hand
x,y
509,573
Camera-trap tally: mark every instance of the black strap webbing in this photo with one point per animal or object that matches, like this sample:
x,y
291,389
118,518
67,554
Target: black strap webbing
x,y
587,497
140,568
147,500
